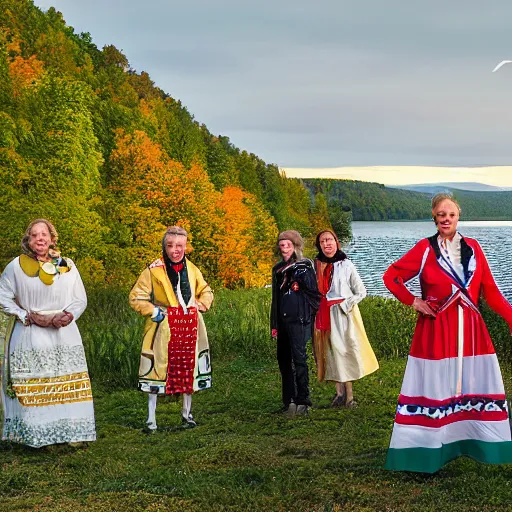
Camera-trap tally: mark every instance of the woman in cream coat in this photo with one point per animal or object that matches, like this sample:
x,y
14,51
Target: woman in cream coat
x,y
342,350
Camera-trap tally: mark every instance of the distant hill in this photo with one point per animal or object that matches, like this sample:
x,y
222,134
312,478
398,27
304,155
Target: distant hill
x,y
434,188
374,201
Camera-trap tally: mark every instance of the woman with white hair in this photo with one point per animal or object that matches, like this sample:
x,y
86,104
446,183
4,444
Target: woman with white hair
x,y
172,293
295,299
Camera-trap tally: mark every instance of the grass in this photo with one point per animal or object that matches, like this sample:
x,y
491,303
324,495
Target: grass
x,y
242,456
237,325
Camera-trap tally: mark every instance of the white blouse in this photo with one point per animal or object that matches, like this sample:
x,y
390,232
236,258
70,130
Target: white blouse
x,y
20,293
450,249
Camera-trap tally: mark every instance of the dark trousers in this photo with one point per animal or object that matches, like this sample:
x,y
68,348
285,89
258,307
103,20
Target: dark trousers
x,y
292,360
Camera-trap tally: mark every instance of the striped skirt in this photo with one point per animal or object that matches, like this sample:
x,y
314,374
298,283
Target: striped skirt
x,y
452,400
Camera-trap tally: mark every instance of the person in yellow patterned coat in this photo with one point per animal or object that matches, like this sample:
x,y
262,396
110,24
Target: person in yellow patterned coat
x,y
175,358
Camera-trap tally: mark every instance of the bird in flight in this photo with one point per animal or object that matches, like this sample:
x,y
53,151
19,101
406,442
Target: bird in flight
x,y
502,63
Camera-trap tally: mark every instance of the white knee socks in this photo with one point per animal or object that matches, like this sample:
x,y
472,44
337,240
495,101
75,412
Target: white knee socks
x,y
151,423
185,410
187,405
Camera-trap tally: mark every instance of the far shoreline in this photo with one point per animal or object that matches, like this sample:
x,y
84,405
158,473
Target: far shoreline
x,y
461,221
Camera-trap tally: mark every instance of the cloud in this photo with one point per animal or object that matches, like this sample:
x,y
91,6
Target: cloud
x,y
326,83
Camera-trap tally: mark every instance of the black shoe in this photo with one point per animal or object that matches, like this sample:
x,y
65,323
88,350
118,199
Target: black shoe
x,y
339,401
150,428
188,422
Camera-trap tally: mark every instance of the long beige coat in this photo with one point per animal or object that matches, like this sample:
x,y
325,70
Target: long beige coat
x,y
153,288
344,354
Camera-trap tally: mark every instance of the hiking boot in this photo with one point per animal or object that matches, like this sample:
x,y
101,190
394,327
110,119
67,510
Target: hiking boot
x,y
302,410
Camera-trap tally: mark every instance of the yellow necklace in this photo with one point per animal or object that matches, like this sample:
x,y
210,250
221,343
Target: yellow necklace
x,y
46,270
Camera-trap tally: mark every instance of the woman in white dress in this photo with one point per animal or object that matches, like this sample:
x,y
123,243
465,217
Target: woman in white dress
x,y
46,392
342,350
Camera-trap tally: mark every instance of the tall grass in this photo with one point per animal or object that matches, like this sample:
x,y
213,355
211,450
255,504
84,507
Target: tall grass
x,y
238,327
112,336
389,325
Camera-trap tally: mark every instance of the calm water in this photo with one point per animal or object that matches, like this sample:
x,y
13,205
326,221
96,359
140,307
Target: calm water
x,y
377,244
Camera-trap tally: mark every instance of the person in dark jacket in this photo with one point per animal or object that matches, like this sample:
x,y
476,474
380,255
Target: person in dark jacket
x,y
295,300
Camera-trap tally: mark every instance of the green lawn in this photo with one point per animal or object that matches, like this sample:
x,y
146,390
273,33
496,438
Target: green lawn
x,y
243,456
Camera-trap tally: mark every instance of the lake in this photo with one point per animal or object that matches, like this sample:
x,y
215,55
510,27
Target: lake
x,y
375,245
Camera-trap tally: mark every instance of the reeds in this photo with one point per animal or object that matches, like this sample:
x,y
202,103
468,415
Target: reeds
x,y
238,327
112,336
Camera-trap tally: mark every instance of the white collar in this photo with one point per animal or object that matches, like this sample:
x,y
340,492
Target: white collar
x,y
453,243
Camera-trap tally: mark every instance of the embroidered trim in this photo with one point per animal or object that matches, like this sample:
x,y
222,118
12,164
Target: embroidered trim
x,y
157,263
25,364
74,387
424,259
41,434
457,405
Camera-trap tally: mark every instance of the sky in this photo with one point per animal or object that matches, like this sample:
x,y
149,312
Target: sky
x,y
327,84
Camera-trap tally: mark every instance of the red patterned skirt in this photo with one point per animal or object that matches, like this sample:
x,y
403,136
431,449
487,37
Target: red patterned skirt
x,y
182,350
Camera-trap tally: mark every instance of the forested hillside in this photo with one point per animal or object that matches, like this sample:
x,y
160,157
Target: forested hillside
x,y
373,201
111,159
485,205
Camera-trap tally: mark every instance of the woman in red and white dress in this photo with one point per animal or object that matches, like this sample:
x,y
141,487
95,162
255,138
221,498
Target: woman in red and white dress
x,y
452,400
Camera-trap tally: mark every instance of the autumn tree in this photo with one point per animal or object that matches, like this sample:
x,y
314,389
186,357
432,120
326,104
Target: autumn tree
x,y
98,148
246,241
160,188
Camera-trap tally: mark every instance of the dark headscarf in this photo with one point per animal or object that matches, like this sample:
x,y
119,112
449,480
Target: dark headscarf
x,y
173,269
179,268
339,254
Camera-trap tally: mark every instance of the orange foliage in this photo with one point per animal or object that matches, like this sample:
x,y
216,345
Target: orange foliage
x,y
13,46
233,261
124,94
24,72
147,110
231,234
245,243
145,177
